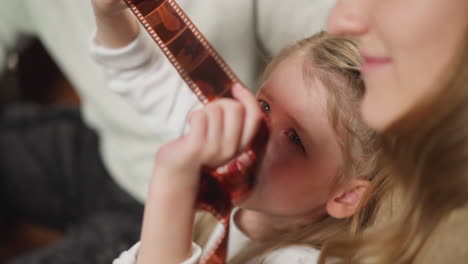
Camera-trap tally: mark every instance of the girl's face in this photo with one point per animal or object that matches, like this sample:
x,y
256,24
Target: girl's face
x,y
406,46
302,156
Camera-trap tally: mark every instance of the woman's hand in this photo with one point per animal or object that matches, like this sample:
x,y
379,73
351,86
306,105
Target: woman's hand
x,y
116,26
109,7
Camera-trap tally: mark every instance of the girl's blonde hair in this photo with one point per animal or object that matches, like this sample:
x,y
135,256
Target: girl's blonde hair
x,y
430,173
335,61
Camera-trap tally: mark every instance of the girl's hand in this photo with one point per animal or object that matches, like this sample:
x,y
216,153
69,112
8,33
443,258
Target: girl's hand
x,y
218,133
108,7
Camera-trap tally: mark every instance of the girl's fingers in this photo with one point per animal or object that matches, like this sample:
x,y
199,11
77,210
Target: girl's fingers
x,y
215,124
253,114
234,115
225,122
183,152
224,127
242,161
198,129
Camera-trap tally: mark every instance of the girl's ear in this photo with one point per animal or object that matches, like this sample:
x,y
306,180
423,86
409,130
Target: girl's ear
x,y
345,201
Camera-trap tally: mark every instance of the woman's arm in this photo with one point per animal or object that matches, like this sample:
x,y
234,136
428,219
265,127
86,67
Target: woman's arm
x,y
116,27
139,71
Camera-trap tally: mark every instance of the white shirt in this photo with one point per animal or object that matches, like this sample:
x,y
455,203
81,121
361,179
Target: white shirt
x,y
237,240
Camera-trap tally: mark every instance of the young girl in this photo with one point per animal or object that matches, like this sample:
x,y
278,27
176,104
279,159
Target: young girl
x,y
318,171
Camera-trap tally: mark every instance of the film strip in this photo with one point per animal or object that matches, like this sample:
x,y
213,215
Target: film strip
x,y
209,77
189,51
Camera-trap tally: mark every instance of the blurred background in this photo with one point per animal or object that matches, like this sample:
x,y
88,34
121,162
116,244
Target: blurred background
x,y
31,76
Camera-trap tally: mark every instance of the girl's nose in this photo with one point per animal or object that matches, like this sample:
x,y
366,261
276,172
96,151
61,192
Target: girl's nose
x,y
349,18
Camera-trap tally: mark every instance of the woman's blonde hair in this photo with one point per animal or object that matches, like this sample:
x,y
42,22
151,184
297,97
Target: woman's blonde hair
x,y
335,61
430,173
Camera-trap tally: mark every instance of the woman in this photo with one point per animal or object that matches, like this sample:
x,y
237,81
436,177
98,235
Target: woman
x,y
416,72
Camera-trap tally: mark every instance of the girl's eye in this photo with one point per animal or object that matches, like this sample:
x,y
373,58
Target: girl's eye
x,y
264,106
294,137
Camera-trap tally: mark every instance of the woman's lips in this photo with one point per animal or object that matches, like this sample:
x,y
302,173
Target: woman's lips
x,y
373,63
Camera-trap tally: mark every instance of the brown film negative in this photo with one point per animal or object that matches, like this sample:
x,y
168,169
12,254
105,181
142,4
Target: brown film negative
x,y
195,59
145,7
167,31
